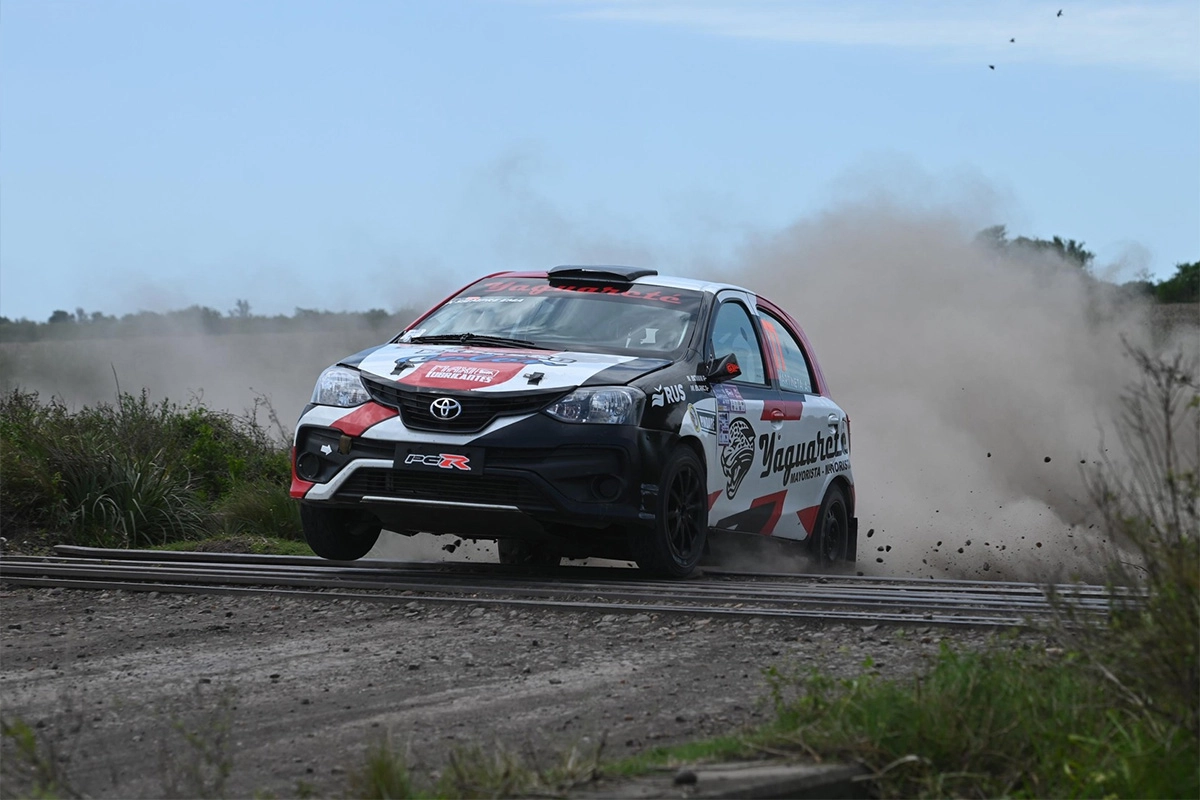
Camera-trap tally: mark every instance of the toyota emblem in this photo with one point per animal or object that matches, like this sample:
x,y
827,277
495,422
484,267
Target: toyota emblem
x,y
445,408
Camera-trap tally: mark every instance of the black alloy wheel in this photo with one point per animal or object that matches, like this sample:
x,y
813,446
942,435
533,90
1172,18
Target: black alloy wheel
x,y
832,536
339,534
531,554
674,545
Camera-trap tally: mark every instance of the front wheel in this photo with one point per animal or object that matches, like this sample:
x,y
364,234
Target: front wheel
x,y
339,534
674,545
832,535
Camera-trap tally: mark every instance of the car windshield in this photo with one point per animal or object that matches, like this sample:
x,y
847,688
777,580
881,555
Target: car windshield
x,y
626,319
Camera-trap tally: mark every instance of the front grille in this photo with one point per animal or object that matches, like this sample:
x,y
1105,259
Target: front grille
x,y
497,490
478,409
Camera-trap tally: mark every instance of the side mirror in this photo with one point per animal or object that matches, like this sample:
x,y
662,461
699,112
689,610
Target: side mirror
x,y
723,369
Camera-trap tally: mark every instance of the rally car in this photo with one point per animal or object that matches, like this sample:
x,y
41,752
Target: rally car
x,y
600,411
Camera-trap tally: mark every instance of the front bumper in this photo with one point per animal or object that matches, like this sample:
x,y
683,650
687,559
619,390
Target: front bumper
x,y
541,478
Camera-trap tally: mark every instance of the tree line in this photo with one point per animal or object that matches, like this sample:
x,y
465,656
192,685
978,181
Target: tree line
x,y
198,319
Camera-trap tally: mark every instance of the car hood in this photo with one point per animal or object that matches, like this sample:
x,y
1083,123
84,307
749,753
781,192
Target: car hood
x,y
455,368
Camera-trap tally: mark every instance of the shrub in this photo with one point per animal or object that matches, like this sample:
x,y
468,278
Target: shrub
x,y
137,472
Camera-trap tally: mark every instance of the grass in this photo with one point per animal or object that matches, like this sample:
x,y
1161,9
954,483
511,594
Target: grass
x,y
242,543
138,473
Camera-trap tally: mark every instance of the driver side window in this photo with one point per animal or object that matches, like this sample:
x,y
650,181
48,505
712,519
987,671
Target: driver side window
x,y
733,332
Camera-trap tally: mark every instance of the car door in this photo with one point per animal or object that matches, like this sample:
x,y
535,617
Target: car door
x,y
740,499
812,440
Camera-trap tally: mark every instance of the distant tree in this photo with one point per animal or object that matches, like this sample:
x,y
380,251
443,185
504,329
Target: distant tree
x,y
1068,250
995,237
241,309
60,316
1183,286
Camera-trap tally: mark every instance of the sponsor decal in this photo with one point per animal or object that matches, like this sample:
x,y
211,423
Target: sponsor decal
x,y
440,460
535,288
667,394
789,460
458,300
729,401
458,372
469,369
704,421
729,398
483,357
738,455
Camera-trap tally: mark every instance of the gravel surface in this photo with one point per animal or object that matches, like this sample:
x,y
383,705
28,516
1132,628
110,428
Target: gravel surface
x,y
301,687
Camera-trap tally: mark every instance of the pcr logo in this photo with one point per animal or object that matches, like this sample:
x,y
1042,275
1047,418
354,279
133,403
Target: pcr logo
x,y
441,461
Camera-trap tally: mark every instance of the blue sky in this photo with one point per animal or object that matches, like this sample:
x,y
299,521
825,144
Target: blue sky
x,y
355,154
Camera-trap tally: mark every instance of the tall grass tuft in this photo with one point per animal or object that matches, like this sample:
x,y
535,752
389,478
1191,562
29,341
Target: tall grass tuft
x,y
383,776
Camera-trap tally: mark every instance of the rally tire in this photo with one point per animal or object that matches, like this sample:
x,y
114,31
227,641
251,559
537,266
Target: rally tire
x,y
339,534
674,545
831,538
525,553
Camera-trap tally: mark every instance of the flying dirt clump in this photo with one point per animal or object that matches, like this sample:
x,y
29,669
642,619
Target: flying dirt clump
x,y
977,381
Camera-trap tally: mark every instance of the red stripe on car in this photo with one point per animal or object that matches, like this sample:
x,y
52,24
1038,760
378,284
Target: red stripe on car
x,y
781,410
363,417
808,518
776,503
299,487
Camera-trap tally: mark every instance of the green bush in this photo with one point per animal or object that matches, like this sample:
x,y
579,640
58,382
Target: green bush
x,y
138,473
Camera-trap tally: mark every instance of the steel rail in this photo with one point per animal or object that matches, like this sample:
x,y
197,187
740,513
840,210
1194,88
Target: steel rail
x,y
851,616
460,567
546,594
911,601
680,592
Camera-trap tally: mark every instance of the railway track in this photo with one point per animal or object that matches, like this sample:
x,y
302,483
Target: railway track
x,y
843,598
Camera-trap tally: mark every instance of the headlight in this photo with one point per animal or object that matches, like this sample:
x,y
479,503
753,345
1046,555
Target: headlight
x,y
609,405
339,386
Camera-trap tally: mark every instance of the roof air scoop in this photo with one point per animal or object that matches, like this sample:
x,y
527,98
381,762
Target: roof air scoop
x,y
599,272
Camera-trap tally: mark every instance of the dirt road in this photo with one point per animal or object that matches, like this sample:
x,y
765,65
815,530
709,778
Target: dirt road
x,y
289,693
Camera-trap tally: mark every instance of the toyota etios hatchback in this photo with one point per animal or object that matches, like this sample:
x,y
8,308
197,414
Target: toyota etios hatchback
x,y
586,411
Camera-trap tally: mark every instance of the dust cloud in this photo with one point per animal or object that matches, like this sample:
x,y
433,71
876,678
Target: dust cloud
x,y
979,382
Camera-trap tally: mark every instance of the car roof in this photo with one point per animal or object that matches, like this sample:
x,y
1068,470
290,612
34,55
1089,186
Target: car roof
x,y
665,281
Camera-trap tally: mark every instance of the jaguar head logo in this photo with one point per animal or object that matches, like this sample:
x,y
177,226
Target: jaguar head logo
x,y
738,455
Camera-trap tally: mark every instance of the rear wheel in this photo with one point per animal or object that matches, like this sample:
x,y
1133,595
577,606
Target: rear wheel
x,y
530,554
674,545
832,535
339,534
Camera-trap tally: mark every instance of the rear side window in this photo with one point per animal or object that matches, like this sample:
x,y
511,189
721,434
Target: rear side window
x,y
733,332
794,372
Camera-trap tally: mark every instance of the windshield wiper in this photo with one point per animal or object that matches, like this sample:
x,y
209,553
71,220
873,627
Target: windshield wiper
x,y
472,338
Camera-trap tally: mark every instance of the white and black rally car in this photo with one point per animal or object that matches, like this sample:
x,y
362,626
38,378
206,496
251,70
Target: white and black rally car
x,y
586,411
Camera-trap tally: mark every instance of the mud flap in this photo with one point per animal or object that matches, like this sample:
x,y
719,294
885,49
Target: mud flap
x,y
852,541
